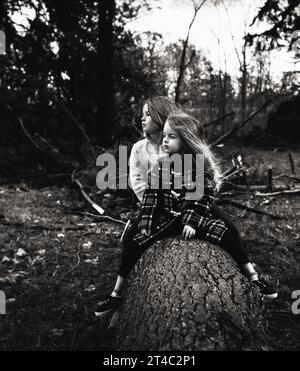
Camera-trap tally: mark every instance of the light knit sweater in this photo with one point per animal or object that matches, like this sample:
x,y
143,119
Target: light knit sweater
x,y
144,155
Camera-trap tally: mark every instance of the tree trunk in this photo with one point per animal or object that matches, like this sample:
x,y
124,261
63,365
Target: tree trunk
x,y
244,84
183,66
189,295
106,10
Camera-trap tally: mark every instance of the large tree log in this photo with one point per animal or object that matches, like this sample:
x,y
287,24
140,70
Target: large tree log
x,y
189,295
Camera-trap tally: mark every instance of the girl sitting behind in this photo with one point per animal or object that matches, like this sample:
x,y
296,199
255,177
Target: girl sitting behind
x,y
146,152
168,210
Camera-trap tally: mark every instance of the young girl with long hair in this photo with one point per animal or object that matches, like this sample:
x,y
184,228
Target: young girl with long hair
x,y
146,152
167,209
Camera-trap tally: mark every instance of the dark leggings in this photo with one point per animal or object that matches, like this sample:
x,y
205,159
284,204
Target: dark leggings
x,y
230,242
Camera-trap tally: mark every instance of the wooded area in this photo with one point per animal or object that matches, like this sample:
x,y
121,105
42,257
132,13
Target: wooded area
x,y
72,84
74,68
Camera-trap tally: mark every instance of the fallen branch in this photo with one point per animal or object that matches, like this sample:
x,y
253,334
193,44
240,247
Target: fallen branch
x,y
287,191
101,217
44,227
75,266
256,187
219,119
238,167
53,153
27,134
270,178
235,172
237,127
32,178
79,126
228,171
41,139
244,207
286,176
87,198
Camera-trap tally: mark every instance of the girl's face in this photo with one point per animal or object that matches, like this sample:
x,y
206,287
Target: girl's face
x,y
171,141
149,126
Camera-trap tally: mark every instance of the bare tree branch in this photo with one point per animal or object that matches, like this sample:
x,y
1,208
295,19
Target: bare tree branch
x,y
219,119
237,127
78,124
183,65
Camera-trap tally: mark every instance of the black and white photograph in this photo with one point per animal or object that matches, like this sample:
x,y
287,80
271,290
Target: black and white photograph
x,y
149,178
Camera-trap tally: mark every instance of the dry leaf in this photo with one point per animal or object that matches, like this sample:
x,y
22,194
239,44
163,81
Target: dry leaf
x,y
90,288
21,253
5,259
87,245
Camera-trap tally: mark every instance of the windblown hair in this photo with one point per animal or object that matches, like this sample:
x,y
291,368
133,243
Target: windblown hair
x,y
159,108
191,133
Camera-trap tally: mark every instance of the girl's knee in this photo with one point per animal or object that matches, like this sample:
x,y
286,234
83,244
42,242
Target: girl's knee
x,y
234,230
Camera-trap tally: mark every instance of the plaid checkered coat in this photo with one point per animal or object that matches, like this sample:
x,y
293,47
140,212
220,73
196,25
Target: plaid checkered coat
x,y
163,203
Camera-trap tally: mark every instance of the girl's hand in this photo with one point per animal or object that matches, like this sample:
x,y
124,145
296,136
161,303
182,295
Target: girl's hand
x,y
188,232
144,232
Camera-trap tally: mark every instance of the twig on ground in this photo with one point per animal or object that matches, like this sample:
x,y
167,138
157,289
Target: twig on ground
x,y
75,266
102,217
84,194
286,176
244,207
257,187
236,171
44,227
287,191
32,178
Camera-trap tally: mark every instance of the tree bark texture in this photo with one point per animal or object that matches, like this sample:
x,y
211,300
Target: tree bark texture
x,y
189,295
106,10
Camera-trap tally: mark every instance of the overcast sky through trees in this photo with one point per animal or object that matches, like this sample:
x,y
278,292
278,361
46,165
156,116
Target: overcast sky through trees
x,y
213,23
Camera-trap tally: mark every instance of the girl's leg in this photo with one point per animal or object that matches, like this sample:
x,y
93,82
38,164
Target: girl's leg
x,y
237,247
219,213
118,286
249,271
133,251
130,233
130,255
133,228
114,299
232,245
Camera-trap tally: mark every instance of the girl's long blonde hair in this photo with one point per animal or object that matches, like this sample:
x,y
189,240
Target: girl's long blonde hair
x,y
191,132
